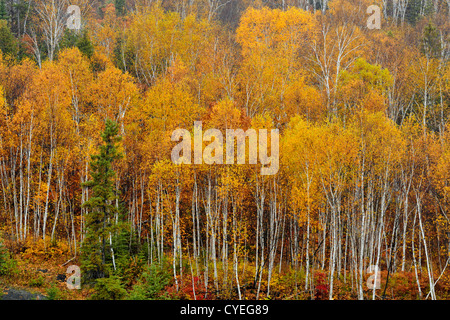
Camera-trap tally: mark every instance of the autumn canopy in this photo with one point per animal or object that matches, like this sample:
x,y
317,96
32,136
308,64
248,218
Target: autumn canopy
x,y
356,153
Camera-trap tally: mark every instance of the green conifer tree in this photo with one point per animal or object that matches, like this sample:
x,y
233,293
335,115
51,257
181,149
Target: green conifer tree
x,y
120,7
430,46
85,45
8,43
99,220
3,13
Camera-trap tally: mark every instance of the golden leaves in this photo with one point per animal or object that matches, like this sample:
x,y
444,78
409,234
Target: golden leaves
x,y
273,46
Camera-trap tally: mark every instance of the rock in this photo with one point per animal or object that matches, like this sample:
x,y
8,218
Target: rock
x,y
61,277
18,294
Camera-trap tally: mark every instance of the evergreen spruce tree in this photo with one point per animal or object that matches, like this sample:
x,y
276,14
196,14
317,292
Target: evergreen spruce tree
x,y
413,11
8,43
431,45
85,45
3,13
69,39
120,7
102,211
81,40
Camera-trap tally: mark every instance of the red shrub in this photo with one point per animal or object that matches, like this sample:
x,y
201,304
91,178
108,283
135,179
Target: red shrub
x,y
322,287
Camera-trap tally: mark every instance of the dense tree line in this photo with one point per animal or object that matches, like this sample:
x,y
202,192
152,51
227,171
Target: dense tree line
x,y
363,116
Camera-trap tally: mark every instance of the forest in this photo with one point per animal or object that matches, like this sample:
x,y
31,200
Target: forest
x,y
358,210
